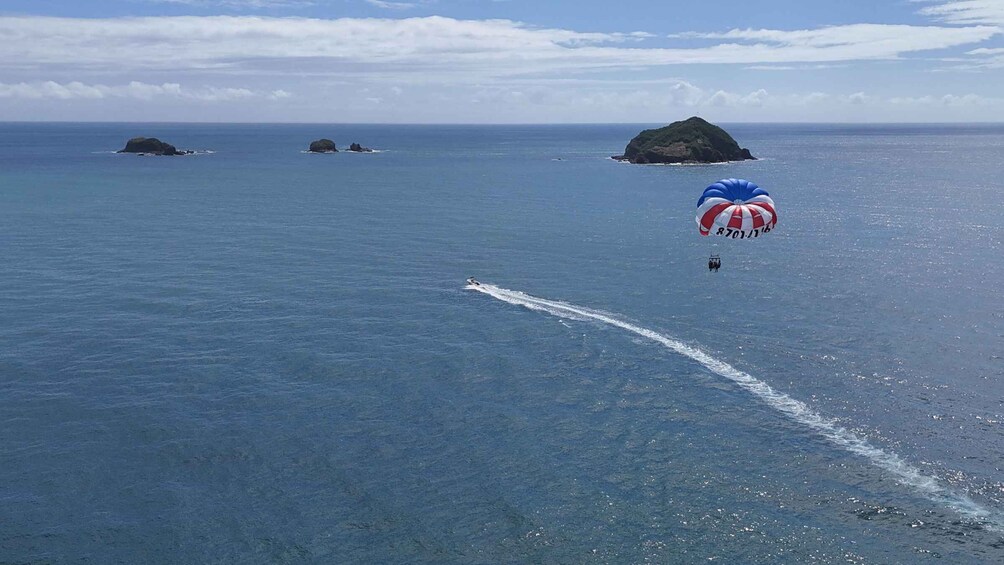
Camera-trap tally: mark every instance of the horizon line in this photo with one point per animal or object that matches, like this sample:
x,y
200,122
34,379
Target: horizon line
x,y
189,122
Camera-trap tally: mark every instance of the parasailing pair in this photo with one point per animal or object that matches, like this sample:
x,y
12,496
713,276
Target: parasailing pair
x,y
735,209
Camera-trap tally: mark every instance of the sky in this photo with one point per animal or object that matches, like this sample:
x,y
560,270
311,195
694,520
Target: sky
x,y
502,61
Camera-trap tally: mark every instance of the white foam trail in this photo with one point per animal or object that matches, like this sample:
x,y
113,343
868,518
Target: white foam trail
x,y
796,410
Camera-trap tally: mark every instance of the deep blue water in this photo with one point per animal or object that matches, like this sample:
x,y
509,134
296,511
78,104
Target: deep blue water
x,y
259,355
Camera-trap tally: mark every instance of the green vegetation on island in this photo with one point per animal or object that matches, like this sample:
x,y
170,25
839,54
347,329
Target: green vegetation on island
x,y
693,140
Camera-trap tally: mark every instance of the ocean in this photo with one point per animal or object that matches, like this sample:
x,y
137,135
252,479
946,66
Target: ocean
x,y
258,355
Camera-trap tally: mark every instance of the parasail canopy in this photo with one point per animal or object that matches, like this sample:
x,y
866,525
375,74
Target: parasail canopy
x,y
735,208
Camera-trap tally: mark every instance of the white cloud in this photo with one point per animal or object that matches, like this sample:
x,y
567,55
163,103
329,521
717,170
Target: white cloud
x,y
859,98
722,98
966,11
793,67
684,93
469,70
969,12
852,42
811,99
136,90
753,99
983,58
391,5
948,100
678,95
425,49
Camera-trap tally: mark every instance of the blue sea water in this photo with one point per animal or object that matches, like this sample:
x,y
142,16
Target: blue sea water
x,y
258,355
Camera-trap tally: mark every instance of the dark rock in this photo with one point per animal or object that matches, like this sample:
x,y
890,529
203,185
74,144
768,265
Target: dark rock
x,y
323,146
359,148
690,141
152,146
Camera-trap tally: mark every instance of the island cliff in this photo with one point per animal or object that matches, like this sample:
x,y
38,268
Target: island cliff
x,y
691,141
323,146
152,146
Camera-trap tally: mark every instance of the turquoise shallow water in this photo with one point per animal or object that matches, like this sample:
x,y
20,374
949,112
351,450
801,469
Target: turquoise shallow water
x,y
260,355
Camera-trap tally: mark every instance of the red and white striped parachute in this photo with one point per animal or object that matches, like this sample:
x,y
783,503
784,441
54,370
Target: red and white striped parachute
x,y
735,208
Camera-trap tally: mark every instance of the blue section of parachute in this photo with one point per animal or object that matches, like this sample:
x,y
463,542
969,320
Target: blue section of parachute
x,y
732,190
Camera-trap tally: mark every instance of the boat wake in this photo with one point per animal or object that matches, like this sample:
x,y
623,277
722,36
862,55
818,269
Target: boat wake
x,y
796,410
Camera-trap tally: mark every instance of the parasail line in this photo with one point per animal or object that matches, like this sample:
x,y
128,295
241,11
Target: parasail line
x,y
796,410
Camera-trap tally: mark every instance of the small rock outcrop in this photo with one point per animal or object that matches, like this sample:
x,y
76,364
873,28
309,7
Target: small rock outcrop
x,y
152,146
693,140
323,146
359,148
